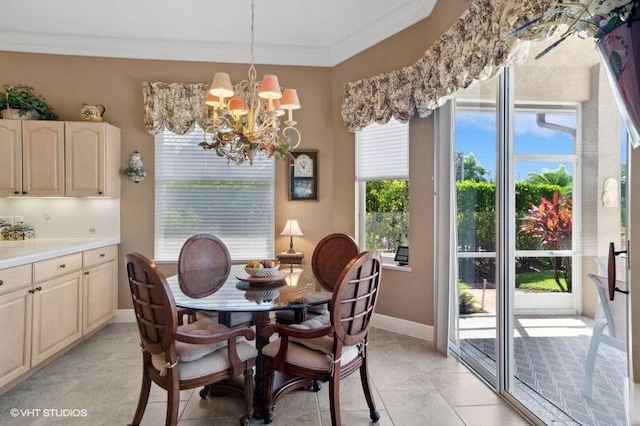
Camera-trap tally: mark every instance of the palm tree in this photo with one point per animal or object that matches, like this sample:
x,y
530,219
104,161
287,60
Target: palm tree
x,y
469,168
559,177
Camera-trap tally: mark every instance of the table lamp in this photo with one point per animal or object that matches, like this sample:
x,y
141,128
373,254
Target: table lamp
x,y
292,229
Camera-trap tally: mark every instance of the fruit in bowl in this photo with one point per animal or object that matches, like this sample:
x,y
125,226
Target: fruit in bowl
x,y
262,268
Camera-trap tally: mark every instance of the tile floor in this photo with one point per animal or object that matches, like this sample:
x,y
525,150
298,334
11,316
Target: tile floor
x,y
99,379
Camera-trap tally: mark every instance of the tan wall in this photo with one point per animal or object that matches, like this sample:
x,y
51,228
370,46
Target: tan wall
x,y
68,81
406,295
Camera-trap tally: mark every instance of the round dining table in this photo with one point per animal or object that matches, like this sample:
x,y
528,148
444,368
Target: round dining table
x,y
291,289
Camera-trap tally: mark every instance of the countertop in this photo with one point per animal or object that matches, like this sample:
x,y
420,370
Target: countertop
x,y
16,253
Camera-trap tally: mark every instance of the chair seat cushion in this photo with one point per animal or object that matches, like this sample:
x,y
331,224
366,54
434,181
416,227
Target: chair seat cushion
x,y
322,344
188,352
209,364
303,356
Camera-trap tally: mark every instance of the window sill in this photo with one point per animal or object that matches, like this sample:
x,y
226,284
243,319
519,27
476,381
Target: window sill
x,y
395,267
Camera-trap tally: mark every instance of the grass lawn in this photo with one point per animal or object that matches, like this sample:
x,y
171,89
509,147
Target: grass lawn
x,y
542,281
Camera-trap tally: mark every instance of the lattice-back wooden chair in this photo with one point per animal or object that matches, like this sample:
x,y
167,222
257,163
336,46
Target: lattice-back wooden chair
x,y
311,351
182,357
204,265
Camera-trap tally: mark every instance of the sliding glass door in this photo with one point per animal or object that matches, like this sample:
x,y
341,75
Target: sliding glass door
x,y
539,174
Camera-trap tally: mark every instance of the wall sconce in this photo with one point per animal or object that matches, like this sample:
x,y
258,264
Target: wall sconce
x,y
135,171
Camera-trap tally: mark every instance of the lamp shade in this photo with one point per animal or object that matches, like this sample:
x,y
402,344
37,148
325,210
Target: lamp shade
x,y
237,106
277,108
292,228
221,85
212,100
270,88
290,99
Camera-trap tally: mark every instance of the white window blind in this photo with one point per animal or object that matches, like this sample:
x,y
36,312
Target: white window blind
x,y
383,152
199,192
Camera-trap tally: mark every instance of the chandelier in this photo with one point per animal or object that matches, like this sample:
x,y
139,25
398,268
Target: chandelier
x,y
246,118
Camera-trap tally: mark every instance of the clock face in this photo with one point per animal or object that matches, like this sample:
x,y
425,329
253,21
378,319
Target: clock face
x,y
303,166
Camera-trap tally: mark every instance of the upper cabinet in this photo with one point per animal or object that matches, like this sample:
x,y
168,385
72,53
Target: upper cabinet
x,y
11,157
92,154
57,158
42,158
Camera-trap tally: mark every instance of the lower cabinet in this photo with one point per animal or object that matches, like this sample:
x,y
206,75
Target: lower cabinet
x,y
99,294
47,305
57,320
15,334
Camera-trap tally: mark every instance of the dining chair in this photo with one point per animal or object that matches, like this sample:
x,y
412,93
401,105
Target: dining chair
x,y
312,351
187,356
331,255
204,264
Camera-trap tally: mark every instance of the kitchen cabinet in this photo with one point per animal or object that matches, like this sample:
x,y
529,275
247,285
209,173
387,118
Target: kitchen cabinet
x,y
59,158
57,305
92,154
32,155
47,305
15,316
99,287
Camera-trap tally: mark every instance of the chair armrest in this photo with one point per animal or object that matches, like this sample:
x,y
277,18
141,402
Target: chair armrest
x,y
203,339
190,313
285,330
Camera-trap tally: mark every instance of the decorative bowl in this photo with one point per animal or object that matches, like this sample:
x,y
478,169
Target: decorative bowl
x,y
262,272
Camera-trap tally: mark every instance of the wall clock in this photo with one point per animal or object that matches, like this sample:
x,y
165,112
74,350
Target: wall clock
x,y
303,175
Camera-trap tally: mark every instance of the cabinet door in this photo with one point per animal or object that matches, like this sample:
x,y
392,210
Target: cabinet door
x,y
10,157
57,319
15,334
85,159
99,292
42,158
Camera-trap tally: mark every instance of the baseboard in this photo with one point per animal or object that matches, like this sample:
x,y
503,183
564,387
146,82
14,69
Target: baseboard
x,y
124,315
400,326
396,325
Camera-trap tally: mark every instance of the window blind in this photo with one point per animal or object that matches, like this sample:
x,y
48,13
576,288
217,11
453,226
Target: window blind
x,y
383,152
199,192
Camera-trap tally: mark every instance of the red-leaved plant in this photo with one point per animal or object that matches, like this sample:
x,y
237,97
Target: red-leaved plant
x,y
550,223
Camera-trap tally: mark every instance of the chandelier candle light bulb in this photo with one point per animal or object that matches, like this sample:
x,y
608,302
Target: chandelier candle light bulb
x,y
249,123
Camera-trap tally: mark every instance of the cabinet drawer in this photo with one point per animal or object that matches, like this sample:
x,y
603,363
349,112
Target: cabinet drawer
x,y
15,278
99,255
57,266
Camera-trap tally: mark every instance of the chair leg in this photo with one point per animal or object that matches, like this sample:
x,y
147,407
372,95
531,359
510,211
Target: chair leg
x,y
334,398
248,395
145,388
173,398
366,387
591,358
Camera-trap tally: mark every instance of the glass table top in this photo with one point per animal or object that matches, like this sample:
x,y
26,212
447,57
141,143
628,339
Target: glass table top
x,y
296,290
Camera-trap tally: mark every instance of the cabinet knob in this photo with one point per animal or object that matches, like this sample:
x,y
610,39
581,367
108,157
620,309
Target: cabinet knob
x,y
63,266
100,192
1,282
32,291
101,254
38,288
86,272
24,192
16,192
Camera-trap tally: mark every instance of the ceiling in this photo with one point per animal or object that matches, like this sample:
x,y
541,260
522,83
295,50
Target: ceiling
x,y
287,32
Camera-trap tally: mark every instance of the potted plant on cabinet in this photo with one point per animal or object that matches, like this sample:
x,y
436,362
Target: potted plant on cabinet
x,y
23,103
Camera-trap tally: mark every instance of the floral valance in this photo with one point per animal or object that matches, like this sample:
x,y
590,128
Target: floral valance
x,y
174,106
474,49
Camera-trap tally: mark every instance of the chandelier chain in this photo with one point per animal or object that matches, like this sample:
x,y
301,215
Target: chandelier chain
x,y
252,69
